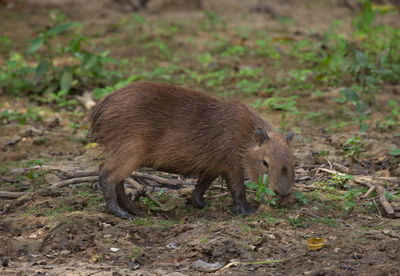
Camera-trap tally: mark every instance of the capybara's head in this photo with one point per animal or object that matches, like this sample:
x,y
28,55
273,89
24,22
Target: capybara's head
x,y
271,155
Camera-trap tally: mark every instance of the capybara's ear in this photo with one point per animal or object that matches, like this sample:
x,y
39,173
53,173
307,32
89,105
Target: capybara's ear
x,y
289,136
260,136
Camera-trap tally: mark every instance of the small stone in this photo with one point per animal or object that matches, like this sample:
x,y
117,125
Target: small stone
x,y
203,266
134,265
171,245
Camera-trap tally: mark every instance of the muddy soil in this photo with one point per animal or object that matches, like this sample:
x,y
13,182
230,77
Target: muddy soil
x,y
69,232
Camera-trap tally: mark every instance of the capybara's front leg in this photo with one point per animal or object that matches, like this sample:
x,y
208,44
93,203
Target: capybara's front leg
x,y
201,186
235,182
109,189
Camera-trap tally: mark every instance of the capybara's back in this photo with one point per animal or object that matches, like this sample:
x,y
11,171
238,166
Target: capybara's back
x,y
182,131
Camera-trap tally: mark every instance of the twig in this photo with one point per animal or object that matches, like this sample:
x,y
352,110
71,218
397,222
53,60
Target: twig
x,y
379,189
146,193
82,173
161,180
341,168
11,195
310,214
330,164
370,190
7,180
74,181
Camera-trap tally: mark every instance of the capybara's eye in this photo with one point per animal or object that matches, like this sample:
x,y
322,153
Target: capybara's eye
x,y
265,163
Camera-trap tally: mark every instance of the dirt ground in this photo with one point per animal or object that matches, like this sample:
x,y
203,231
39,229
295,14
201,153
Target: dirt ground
x,y
70,232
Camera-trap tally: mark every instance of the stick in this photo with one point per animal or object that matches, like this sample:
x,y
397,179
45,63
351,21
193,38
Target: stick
x,y
146,193
341,168
82,173
11,195
370,190
161,180
379,189
74,181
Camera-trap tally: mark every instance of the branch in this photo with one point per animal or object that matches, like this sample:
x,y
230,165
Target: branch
x,y
174,184
144,192
74,181
11,195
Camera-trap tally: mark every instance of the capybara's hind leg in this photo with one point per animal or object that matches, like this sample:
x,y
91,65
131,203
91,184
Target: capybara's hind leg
x,y
201,186
123,199
110,196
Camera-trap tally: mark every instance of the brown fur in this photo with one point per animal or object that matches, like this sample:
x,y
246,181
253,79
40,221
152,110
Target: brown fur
x,y
182,131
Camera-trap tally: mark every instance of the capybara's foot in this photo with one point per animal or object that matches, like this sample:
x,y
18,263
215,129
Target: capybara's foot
x,y
123,200
116,210
244,208
197,200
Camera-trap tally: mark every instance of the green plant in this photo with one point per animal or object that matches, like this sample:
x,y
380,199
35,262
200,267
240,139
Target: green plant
x,y
284,104
22,118
262,190
135,253
5,44
249,86
211,20
160,47
394,151
392,119
352,147
205,59
101,92
303,222
339,180
234,51
297,222
351,96
57,70
267,49
300,198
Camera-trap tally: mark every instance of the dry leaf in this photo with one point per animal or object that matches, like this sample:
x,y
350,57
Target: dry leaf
x,y
95,258
384,8
315,243
90,146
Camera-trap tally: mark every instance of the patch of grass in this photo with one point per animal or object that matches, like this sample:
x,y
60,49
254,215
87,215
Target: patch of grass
x,y
135,252
22,118
352,147
52,212
50,74
91,198
264,217
304,222
154,222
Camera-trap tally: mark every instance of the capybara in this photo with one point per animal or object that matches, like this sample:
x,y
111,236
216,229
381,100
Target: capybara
x,y
178,130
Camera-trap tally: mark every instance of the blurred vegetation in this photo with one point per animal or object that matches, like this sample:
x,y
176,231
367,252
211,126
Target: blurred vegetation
x,y
61,63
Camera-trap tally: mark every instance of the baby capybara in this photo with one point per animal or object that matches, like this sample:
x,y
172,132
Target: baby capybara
x,y
177,130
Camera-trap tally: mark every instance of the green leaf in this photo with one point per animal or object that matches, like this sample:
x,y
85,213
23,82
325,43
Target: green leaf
x,y
66,80
59,29
42,68
88,62
350,95
300,197
395,151
251,185
35,45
